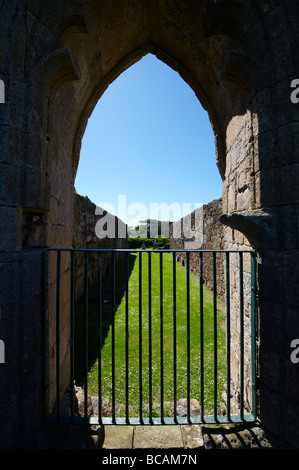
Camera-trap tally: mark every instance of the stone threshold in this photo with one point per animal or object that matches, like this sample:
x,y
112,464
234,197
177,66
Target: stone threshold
x,y
151,437
194,437
189,437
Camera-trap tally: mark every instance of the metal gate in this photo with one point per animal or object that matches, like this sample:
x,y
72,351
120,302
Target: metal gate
x,y
175,347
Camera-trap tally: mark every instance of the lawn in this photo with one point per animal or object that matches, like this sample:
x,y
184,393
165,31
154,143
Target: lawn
x,y
138,314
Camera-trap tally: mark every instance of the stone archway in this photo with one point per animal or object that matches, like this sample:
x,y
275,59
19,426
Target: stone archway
x,y
59,57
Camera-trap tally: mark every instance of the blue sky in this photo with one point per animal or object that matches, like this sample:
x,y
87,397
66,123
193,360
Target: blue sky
x,y
148,142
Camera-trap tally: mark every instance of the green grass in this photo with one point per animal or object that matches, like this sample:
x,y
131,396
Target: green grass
x,y
168,330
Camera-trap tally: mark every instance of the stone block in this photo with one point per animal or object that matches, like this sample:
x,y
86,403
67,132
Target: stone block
x,y
192,436
118,437
243,200
10,222
158,437
10,145
31,274
9,185
238,152
231,197
35,189
276,148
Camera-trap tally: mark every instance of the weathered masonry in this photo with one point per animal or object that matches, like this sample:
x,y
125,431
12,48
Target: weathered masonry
x,y
85,237
202,230
57,58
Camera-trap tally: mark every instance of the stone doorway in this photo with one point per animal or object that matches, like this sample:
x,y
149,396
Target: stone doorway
x,y
240,59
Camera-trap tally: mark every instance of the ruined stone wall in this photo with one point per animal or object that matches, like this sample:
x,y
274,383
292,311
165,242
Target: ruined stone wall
x,y
206,232
84,236
208,235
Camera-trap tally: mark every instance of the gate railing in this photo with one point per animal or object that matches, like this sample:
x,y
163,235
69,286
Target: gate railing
x,y
229,370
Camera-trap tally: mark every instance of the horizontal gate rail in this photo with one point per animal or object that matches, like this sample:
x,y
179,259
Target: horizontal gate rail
x,y
60,339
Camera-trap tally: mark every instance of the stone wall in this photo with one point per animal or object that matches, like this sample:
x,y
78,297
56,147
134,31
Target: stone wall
x,y
208,234
84,236
203,230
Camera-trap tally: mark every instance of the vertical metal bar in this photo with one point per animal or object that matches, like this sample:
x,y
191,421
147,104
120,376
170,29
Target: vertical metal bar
x,y
161,340
72,335
150,335
228,358
113,333
215,334
241,338
188,332
127,336
201,337
140,336
174,339
99,339
58,335
46,332
85,334
253,351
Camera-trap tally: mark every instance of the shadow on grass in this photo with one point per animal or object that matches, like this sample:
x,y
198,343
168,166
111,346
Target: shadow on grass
x,y
98,309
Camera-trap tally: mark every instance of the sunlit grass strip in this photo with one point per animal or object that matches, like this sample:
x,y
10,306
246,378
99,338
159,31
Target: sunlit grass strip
x,y
146,375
